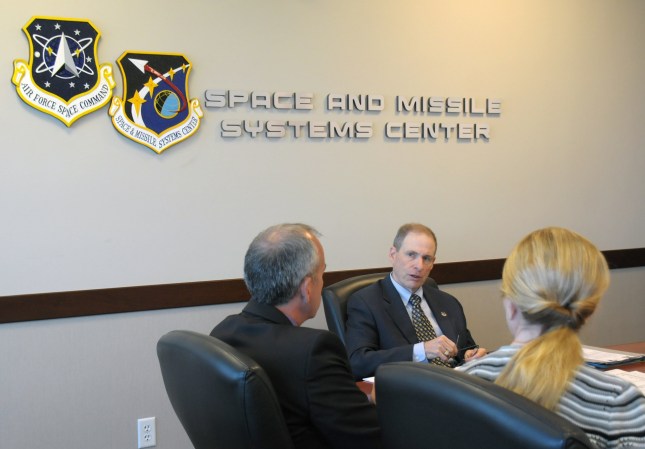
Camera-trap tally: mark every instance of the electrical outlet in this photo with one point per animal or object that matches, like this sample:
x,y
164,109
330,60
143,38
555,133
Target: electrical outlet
x,y
146,432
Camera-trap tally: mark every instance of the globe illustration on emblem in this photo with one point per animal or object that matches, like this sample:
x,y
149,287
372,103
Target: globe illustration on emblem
x,y
167,104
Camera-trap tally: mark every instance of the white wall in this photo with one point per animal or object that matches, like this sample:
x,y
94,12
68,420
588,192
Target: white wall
x,y
85,208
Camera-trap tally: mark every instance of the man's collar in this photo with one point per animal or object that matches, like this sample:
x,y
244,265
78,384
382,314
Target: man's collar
x,y
404,292
266,311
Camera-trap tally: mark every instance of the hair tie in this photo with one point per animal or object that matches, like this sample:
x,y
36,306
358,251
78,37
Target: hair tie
x,y
575,320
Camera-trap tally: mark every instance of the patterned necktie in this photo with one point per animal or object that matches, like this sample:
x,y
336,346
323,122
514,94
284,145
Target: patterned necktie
x,y
423,326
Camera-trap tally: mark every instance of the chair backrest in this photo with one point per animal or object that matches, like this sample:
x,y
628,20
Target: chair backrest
x,y
424,405
335,298
223,398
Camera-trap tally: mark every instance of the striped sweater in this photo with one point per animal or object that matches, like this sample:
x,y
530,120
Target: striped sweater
x,y
610,410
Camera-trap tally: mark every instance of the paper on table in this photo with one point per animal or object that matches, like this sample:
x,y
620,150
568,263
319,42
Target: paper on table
x,y
635,377
599,355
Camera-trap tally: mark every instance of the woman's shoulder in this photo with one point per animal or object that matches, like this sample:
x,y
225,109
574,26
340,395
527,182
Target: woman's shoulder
x,y
491,365
594,381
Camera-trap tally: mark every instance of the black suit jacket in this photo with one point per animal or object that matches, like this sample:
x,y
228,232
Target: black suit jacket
x,y
379,329
310,373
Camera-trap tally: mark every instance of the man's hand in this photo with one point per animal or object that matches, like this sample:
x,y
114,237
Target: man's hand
x,y
441,347
474,354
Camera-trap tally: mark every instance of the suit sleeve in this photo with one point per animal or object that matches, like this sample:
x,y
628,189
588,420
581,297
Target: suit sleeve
x,y
364,342
338,409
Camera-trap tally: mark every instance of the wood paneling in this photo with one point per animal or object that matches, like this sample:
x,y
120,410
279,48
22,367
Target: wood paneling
x,y
42,306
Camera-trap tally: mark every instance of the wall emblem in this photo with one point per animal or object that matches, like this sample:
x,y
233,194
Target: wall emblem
x,y
63,77
155,110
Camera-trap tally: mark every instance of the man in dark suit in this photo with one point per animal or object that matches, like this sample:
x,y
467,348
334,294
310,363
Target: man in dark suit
x,y
323,408
385,325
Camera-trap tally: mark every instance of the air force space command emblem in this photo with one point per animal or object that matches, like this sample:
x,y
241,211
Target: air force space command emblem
x,y
155,110
63,78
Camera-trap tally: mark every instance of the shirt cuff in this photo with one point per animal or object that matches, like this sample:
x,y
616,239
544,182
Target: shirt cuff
x,y
419,353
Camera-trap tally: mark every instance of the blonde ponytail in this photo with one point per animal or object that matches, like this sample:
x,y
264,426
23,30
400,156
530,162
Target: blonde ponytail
x,y
556,278
543,368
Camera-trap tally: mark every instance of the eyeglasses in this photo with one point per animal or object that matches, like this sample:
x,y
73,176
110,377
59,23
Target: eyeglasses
x,y
454,363
473,347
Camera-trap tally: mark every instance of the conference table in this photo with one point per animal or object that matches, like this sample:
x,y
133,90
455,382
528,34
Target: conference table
x,y
638,347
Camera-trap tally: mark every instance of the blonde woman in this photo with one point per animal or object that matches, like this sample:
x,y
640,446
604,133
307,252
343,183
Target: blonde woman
x,y
552,282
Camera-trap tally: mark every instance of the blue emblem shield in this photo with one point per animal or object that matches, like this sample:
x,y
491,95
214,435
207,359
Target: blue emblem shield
x,y
155,109
63,77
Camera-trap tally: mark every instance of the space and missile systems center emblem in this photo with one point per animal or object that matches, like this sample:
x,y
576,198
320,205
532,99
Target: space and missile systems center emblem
x,y
155,110
63,77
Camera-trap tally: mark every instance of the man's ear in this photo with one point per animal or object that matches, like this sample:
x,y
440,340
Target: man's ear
x,y
305,289
392,253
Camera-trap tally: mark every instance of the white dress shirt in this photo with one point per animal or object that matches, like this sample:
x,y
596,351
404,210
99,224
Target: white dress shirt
x,y
418,352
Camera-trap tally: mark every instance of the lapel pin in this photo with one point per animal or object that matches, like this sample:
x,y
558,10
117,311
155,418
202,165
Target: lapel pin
x,y
444,314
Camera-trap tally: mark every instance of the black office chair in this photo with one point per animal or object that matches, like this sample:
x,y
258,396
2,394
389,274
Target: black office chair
x,y
424,405
336,295
223,398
